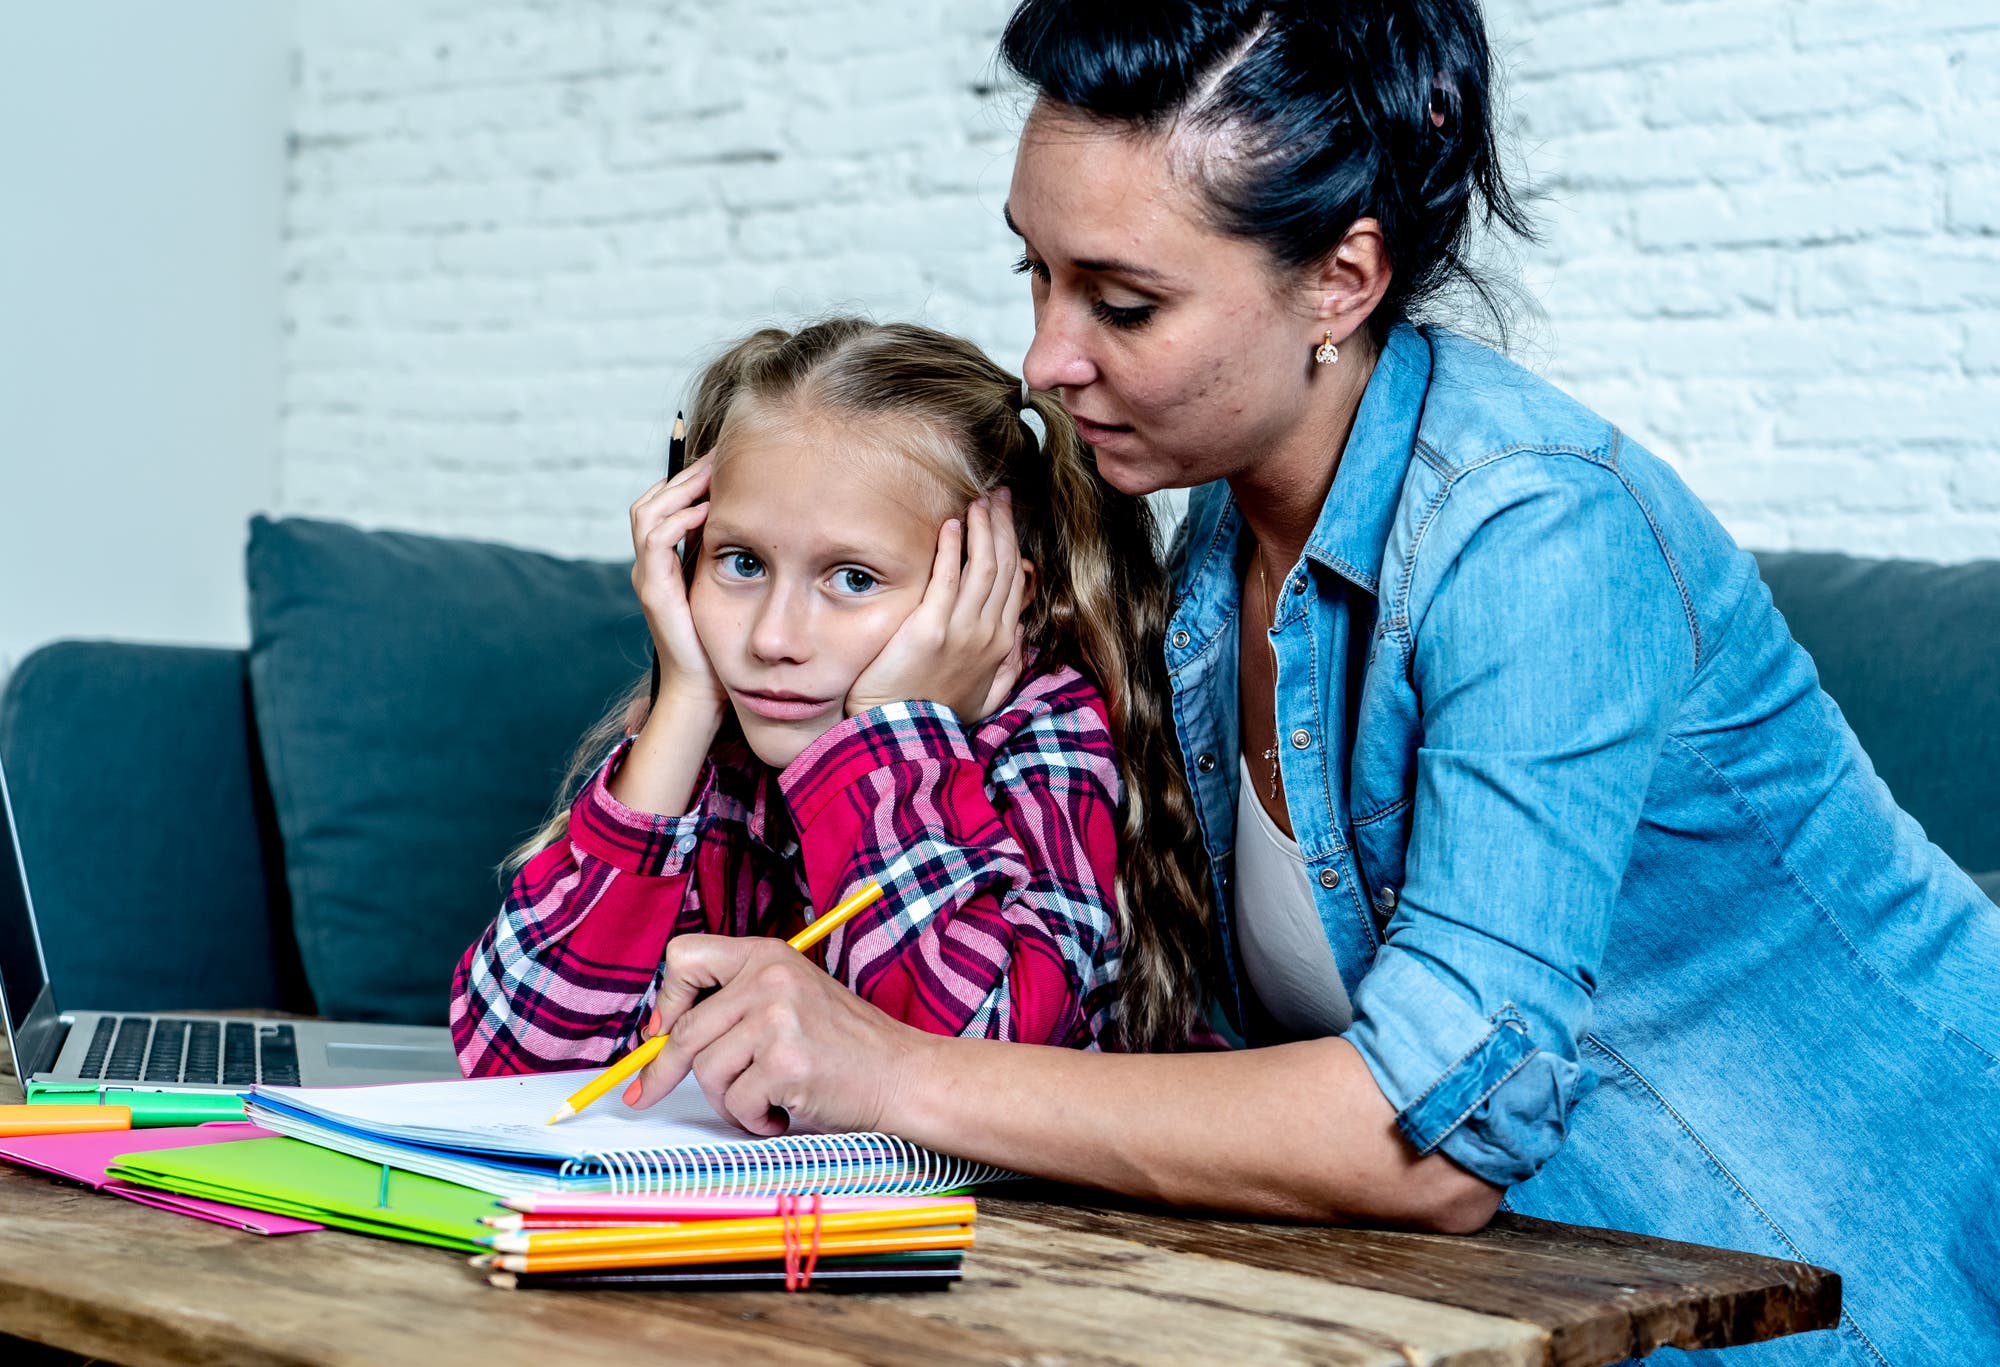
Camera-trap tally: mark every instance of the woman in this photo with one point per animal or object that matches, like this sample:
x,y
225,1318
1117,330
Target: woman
x,y
1544,870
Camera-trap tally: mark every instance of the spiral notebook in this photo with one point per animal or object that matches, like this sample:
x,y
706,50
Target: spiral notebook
x,y
490,1133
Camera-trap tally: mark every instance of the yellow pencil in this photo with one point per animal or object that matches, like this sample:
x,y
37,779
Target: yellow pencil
x,y
624,1068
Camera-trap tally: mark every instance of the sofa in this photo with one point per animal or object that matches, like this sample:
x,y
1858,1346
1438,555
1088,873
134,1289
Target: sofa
x,y
317,823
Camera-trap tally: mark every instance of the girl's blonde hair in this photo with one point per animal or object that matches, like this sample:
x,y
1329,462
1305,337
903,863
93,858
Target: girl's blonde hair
x,y
1100,604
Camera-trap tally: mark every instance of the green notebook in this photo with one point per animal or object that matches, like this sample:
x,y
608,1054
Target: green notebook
x,y
289,1177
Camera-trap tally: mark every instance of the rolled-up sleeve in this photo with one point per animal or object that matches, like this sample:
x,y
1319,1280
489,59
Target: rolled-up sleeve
x,y
1550,646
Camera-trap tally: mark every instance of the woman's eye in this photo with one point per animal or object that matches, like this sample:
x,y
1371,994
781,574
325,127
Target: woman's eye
x,y
1114,316
1027,265
741,565
854,581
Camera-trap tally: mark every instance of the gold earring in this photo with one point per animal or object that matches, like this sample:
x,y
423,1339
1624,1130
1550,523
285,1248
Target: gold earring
x,y
1326,353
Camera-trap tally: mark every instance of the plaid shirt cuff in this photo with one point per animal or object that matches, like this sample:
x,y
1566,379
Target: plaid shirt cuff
x,y
642,843
895,733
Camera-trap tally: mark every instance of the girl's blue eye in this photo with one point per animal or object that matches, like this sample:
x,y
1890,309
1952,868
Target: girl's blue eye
x,y
854,581
742,564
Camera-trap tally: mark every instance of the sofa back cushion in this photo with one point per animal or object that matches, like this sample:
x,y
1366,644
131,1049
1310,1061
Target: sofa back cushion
x,y
1911,652
151,854
417,700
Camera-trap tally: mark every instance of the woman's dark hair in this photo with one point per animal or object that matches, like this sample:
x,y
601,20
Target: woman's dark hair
x,y
1315,113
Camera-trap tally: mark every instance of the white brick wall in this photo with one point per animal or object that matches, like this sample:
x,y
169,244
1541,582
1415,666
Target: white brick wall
x,y
1773,252
1773,240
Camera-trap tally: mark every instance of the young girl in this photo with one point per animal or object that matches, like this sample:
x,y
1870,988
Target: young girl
x,y
913,643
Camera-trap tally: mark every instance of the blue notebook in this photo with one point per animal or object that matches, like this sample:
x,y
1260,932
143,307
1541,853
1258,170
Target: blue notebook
x,y
491,1134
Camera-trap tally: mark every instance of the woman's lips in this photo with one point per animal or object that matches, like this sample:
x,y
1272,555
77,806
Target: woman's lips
x,y
783,706
1097,433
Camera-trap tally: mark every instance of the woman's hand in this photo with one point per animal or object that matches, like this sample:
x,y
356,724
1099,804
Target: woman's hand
x,y
778,1045
962,646
662,517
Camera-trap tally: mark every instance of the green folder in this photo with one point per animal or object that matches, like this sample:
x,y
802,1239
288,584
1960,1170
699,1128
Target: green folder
x,y
288,1177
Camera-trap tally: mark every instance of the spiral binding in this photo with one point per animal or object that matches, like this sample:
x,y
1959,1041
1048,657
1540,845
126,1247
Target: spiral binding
x,y
794,1165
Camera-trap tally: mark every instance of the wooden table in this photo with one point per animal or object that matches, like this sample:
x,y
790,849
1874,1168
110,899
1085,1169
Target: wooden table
x,y
1057,1277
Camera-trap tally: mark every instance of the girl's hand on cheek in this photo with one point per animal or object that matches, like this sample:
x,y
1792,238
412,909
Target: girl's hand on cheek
x,y
663,516
962,645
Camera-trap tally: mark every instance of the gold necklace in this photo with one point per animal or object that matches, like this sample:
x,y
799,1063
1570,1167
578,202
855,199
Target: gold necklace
x,y
1270,611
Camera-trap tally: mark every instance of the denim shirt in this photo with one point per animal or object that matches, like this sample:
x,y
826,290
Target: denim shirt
x,y
1629,923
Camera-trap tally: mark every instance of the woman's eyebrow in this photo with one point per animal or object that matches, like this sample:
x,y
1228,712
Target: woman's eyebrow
x,y
1094,265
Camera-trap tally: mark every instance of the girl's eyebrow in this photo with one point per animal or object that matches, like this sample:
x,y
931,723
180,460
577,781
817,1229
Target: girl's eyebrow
x,y
1095,265
720,534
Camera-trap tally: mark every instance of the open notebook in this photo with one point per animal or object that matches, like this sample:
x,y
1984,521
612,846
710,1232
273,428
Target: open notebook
x,y
490,1133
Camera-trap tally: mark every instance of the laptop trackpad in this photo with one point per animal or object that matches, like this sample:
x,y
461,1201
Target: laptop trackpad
x,y
402,1060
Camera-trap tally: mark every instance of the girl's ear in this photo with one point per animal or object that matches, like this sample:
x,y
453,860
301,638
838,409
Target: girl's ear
x,y
1028,589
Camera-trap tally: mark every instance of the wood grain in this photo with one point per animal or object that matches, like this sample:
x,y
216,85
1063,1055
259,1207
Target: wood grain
x,y
1058,1276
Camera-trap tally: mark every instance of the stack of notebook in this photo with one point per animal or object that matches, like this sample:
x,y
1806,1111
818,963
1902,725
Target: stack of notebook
x,y
683,1198
491,1134
853,1243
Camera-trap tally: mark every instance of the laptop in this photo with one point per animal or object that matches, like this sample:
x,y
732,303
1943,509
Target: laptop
x,y
57,1050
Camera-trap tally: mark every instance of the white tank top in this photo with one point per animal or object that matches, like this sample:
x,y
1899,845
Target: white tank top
x,y
1278,936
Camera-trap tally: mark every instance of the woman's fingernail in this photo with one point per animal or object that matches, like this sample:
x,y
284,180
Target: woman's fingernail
x,y
653,1022
632,1093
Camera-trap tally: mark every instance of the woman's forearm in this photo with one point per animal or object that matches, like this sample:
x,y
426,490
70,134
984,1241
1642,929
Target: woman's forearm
x,y
1297,1131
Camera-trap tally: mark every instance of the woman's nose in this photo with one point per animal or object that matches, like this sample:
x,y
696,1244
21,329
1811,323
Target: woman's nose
x,y
1057,358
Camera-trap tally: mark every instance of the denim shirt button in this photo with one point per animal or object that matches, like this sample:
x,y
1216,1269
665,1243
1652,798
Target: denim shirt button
x,y
1298,583
1329,878
1385,898
1301,738
1181,638
1205,763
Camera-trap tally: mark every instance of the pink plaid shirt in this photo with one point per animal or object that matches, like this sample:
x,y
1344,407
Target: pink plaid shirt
x,y
995,847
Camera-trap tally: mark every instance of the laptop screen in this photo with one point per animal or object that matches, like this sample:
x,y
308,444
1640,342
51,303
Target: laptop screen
x,y
24,976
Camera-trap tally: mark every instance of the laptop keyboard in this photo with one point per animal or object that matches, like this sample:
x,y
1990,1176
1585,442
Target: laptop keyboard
x,y
162,1049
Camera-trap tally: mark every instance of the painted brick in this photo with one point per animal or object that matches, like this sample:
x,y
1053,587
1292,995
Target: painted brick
x,y
1771,249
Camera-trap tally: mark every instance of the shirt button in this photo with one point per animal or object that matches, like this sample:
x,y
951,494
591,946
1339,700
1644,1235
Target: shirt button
x,y
1181,638
1298,583
1205,763
685,844
1329,878
1385,898
1301,738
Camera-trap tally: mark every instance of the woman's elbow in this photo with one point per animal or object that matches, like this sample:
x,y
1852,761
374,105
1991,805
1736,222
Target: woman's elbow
x,y
1450,1200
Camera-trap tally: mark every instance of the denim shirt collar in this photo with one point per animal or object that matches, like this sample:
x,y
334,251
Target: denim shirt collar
x,y
1353,526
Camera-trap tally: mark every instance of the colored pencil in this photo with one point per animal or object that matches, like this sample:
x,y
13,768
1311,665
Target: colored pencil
x,y
694,1232
832,1274
750,1250
624,1068
585,1211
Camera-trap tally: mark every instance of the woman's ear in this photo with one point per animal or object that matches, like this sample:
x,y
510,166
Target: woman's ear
x,y
1351,280
1028,589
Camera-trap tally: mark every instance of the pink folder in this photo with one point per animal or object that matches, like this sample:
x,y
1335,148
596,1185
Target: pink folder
x,y
84,1158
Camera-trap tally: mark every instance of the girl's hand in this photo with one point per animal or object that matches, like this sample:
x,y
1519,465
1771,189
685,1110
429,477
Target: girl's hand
x,y
663,516
778,1045
962,645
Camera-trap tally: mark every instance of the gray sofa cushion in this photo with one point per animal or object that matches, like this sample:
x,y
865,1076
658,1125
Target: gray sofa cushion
x,y
417,699
144,828
1911,652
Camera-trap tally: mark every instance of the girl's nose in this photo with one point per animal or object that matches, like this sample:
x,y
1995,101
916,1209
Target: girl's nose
x,y
1058,358
780,633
